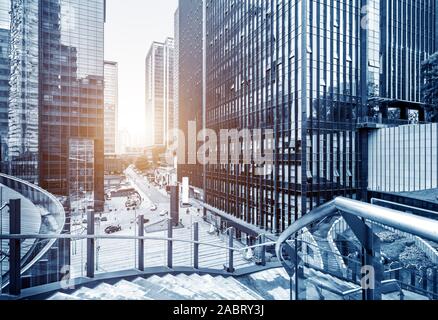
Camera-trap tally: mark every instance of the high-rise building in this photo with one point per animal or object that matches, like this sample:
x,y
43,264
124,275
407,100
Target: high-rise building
x,y
111,106
56,136
160,91
308,70
5,7
399,36
292,67
188,45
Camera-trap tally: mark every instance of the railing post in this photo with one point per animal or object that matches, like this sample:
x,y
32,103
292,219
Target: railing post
x,y
169,244
196,246
263,253
231,251
90,245
15,247
141,243
53,261
435,281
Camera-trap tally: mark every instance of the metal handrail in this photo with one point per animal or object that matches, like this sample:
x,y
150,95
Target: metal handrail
x,y
416,225
121,237
60,209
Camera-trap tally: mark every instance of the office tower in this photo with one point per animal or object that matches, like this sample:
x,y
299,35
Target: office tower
x,y
292,67
23,135
56,136
160,91
111,106
5,7
311,71
400,36
188,34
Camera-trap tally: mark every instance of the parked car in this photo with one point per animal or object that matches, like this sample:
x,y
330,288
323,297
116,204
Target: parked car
x,y
113,229
154,207
104,219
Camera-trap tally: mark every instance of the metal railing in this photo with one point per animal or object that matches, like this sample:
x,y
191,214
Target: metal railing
x,y
141,255
52,219
356,214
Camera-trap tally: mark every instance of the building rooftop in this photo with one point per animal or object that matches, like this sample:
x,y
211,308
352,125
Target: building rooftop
x,y
430,195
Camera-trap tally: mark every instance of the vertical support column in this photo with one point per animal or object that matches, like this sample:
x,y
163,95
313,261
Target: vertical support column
x,y
15,247
263,250
196,246
230,251
53,265
170,244
141,243
90,245
372,269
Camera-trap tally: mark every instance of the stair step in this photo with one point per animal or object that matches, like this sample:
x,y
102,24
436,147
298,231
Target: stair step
x,y
108,292
176,286
207,288
85,293
157,292
242,292
131,290
62,296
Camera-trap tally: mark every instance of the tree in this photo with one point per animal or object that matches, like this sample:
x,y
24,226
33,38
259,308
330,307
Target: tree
x,y
142,163
430,87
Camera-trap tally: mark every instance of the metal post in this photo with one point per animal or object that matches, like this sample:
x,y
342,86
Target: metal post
x,y
42,272
169,244
90,245
196,245
263,253
371,255
54,269
15,247
231,251
435,282
141,243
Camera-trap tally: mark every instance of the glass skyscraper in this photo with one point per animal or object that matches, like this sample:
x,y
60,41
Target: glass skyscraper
x,y
5,7
111,106
293,67
57,93
160,91
189,44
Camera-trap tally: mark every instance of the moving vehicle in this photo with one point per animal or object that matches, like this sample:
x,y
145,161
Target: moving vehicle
x,y
113,229
154,207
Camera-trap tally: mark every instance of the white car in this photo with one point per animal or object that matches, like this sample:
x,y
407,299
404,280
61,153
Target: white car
x,y
164,213
154,208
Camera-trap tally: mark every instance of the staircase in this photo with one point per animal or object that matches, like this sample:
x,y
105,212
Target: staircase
x,y
330,262
169,287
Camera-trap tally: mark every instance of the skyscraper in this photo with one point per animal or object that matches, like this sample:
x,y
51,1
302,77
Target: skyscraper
x,y
160,91
293,67
111,106
308,70
56,112
5,7
188,44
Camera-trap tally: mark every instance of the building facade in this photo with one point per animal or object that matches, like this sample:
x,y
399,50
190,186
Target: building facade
x,y
292,67
56,135
403,159
189,45
5,7
160,91
111,106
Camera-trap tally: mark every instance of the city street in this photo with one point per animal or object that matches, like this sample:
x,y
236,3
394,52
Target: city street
x,y
116,255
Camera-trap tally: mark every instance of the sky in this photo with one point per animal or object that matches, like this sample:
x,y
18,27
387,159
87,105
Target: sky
x,y
130,29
